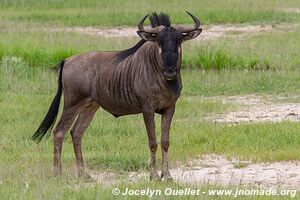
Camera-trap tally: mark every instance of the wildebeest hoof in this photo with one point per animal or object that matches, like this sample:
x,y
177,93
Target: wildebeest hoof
x,y
57,173
166,177
85,176
155,177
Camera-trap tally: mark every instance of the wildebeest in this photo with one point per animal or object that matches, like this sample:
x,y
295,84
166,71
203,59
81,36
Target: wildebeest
x,y
143,79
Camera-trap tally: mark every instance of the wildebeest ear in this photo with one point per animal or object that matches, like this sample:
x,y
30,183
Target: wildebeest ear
x,y
147,36
192,34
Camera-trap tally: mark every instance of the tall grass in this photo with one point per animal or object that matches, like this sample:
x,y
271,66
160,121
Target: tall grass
x,y
217,57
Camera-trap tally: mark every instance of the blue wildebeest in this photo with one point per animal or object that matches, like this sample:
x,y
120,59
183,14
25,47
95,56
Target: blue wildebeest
x,y
143,79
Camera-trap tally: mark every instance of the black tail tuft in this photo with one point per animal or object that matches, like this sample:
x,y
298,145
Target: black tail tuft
x,y
49,120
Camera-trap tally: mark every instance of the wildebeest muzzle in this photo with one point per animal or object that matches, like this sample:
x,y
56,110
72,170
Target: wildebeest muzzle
x,y
170,73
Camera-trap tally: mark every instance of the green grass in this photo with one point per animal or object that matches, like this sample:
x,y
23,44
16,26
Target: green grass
x,y
274,50
238,82
116,13
110,144
44,48
39,187
27,93
33,40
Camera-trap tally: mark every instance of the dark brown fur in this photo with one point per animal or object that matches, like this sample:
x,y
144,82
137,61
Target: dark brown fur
x,y
134,85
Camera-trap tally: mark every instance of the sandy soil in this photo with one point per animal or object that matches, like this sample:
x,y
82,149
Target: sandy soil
x,y
257,109
292,10
209,33
217,170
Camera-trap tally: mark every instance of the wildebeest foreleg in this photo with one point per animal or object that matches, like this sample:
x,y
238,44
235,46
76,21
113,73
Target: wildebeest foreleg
x,y
82,122
150,126
166,120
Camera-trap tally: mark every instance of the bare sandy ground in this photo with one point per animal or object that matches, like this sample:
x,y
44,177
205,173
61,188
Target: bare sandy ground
x,y
292,10
209,32
217,170
258,109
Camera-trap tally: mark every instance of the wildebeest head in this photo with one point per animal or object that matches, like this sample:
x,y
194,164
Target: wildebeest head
x,y
169,40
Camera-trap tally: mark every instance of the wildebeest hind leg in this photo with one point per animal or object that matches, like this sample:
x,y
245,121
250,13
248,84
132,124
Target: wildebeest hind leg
x,y
82,122
67,118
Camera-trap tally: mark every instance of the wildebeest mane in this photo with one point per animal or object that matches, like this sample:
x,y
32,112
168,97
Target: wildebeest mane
x,y
161,19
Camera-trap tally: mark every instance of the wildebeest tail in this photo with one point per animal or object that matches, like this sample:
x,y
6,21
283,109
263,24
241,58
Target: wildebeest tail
x,y
49,120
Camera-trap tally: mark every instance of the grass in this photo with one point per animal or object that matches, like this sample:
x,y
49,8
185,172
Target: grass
x,y
38,48
26,93
77,189
33,40
239,82
274,50
107,13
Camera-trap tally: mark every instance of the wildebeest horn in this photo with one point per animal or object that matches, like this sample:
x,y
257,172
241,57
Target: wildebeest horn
x,y
150,30
141,23
187,29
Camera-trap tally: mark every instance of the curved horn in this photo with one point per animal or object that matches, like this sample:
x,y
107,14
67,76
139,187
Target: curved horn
x,y
196,25
150,30
141,23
